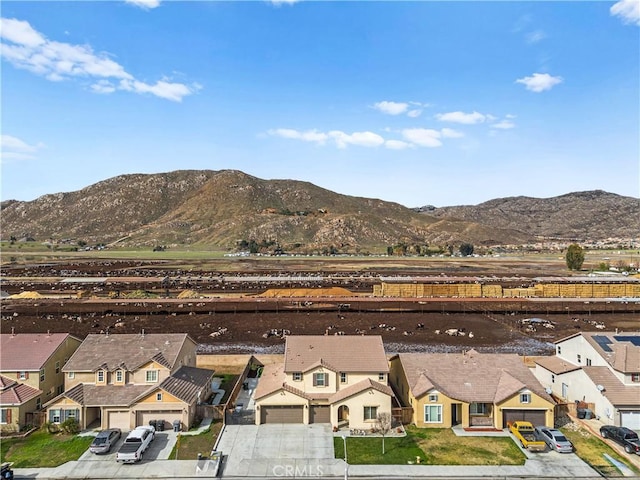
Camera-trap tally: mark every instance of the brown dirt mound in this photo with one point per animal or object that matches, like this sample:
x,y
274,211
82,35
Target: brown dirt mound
x,y
189,294
306,292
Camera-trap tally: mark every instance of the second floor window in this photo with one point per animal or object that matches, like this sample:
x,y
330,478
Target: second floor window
x,y
100,376
22,375
320,380
297,376
579,358
525,398
152,376
119,376
42,374
343,377
635,377
57,367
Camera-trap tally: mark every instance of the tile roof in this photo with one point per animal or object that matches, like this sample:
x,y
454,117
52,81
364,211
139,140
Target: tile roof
x,y
187,382
272,380
90,395
341,353
129,351
29,351
470,376
358,388
556,365
14,393
617,393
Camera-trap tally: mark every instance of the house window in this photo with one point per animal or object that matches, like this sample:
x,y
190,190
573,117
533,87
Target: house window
x,y
553,378
60,389
579,358
57,367
370,413
119,376
38,403
42,374
5,415
343,377
381,377
159,396
320,379
635,377
433,414
22,375
297,376
54,416
559,349
433,397
71,375
152,376
588,362
525,398
478,409
100,376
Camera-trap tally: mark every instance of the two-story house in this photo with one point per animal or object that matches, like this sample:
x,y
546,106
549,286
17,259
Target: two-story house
x,y
469,389
602,368
31,374
126,380
342,380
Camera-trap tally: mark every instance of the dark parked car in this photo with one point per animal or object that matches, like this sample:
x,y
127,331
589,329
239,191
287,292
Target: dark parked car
x,y
105,440
555,439
7,473
624,436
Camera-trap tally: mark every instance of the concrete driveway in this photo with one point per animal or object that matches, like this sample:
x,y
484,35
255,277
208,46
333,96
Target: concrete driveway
x,y
159,449
278,450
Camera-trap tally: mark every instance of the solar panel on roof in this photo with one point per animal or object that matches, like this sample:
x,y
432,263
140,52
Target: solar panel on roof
x,y
634,340
604,342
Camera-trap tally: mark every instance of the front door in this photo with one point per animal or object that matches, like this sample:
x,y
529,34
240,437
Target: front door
x,y
455,413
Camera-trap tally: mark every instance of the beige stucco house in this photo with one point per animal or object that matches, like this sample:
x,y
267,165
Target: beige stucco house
x,y
124,381
341,380
31,374
470,389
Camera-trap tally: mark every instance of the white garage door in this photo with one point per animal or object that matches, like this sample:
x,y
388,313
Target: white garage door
x,y
630,420
118,420
168,416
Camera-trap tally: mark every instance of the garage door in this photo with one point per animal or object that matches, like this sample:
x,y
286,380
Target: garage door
x,y
537,417
630,420
281,414
119,420
320,414
143,418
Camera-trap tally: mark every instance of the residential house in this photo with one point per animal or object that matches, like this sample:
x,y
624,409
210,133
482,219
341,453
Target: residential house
x,y
127,380
470,389
602,368
30,374
342,380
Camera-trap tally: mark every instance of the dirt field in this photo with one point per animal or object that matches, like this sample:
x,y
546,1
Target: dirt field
x,y
228,324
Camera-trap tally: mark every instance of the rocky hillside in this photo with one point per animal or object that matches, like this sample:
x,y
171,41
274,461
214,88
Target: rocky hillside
x,y
581,216
223,208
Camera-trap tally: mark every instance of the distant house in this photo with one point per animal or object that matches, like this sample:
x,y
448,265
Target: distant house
x,y
602,368
340,380
122,381
30,374
470,389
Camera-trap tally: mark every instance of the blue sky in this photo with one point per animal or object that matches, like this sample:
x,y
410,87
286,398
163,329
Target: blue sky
x,y
441,103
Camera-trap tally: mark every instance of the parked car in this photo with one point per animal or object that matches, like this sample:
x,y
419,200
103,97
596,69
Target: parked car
x,y
524,432
623,436
105,440
6,472
554,439
135,444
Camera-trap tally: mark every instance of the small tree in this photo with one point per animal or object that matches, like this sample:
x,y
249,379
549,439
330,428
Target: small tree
x,y
575,257
384,424
466,249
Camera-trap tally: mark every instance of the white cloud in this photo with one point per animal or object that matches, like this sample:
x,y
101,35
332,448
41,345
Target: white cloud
x,y
504,125
535,36
391,108
461,117
363,139
397,145
58,61
146,4
308,136
627,10
539,82
423,136
414,113
451,133
13,148
278,3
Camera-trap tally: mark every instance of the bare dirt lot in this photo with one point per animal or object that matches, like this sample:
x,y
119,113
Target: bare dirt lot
x,y
228,319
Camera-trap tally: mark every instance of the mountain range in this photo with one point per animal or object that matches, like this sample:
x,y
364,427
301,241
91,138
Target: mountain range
x,y
228,208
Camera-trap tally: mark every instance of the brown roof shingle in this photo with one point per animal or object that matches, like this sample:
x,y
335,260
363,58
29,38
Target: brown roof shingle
x,y
358,388
90,395
617,393
29,351
187,382
14,393
556,365
129,351
470,376
341,353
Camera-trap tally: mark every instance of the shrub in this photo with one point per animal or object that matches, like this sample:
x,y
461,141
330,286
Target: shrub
x,y
70,425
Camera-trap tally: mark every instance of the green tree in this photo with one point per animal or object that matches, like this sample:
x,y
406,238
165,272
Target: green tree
x,y
466,249
574,257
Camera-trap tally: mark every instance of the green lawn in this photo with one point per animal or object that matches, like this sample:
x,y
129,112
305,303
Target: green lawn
x,y
434,446
591,448
188,447
43,449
